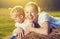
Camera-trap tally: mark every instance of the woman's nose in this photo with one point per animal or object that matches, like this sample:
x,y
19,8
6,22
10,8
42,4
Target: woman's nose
x,y
30,14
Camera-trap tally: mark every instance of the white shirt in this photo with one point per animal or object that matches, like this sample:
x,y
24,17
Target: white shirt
x,y
24,24
54,22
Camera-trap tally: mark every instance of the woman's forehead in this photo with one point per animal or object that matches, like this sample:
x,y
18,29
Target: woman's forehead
x,y
31,8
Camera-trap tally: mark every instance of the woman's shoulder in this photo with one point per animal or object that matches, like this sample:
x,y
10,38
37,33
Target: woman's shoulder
x,y
43,13
43,16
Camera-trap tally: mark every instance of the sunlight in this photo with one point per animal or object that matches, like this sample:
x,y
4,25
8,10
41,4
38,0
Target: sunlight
x,y
12,3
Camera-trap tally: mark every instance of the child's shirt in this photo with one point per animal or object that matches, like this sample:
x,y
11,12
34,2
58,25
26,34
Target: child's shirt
x,y
24,24
54,22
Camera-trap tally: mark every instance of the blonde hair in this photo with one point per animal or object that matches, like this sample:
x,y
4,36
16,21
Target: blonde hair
x,y
34,5
19,11
29,3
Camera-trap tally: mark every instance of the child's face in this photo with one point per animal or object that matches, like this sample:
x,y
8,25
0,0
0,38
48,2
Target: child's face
x,y
18,18
31,12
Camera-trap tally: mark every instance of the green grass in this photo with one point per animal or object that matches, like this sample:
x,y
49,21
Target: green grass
x,y
55,14
7,24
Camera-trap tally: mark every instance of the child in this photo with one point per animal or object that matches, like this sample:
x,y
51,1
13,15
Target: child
x,y
18,15
43,19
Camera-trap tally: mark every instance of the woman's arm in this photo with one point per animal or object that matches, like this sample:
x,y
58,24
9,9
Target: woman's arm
x,y
45,29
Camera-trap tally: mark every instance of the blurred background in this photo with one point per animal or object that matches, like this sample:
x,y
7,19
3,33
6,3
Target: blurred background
x,y
7,24
51,5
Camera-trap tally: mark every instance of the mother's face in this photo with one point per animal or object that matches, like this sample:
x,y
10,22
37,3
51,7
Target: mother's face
x,y
31,12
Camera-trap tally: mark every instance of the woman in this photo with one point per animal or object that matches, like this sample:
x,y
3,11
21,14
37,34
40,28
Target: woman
x,y
42,19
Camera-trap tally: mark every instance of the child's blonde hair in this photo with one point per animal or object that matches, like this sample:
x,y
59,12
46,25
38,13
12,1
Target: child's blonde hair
x,y
34,5
18,11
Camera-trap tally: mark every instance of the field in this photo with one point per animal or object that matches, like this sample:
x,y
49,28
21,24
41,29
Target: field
x,y
7,24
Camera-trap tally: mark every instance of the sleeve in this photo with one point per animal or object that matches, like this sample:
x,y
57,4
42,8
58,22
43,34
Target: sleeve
x,y
29,23
17,25
43,17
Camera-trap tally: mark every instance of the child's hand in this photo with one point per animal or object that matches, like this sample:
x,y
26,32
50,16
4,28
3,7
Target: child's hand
x,y
19,32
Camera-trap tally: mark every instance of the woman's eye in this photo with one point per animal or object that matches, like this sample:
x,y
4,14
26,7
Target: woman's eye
x,y
26,12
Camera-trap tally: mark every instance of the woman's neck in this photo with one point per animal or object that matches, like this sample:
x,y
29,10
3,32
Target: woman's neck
x,y
36,20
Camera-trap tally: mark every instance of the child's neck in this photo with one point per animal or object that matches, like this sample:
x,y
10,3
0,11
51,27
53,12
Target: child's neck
x,y
21,21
